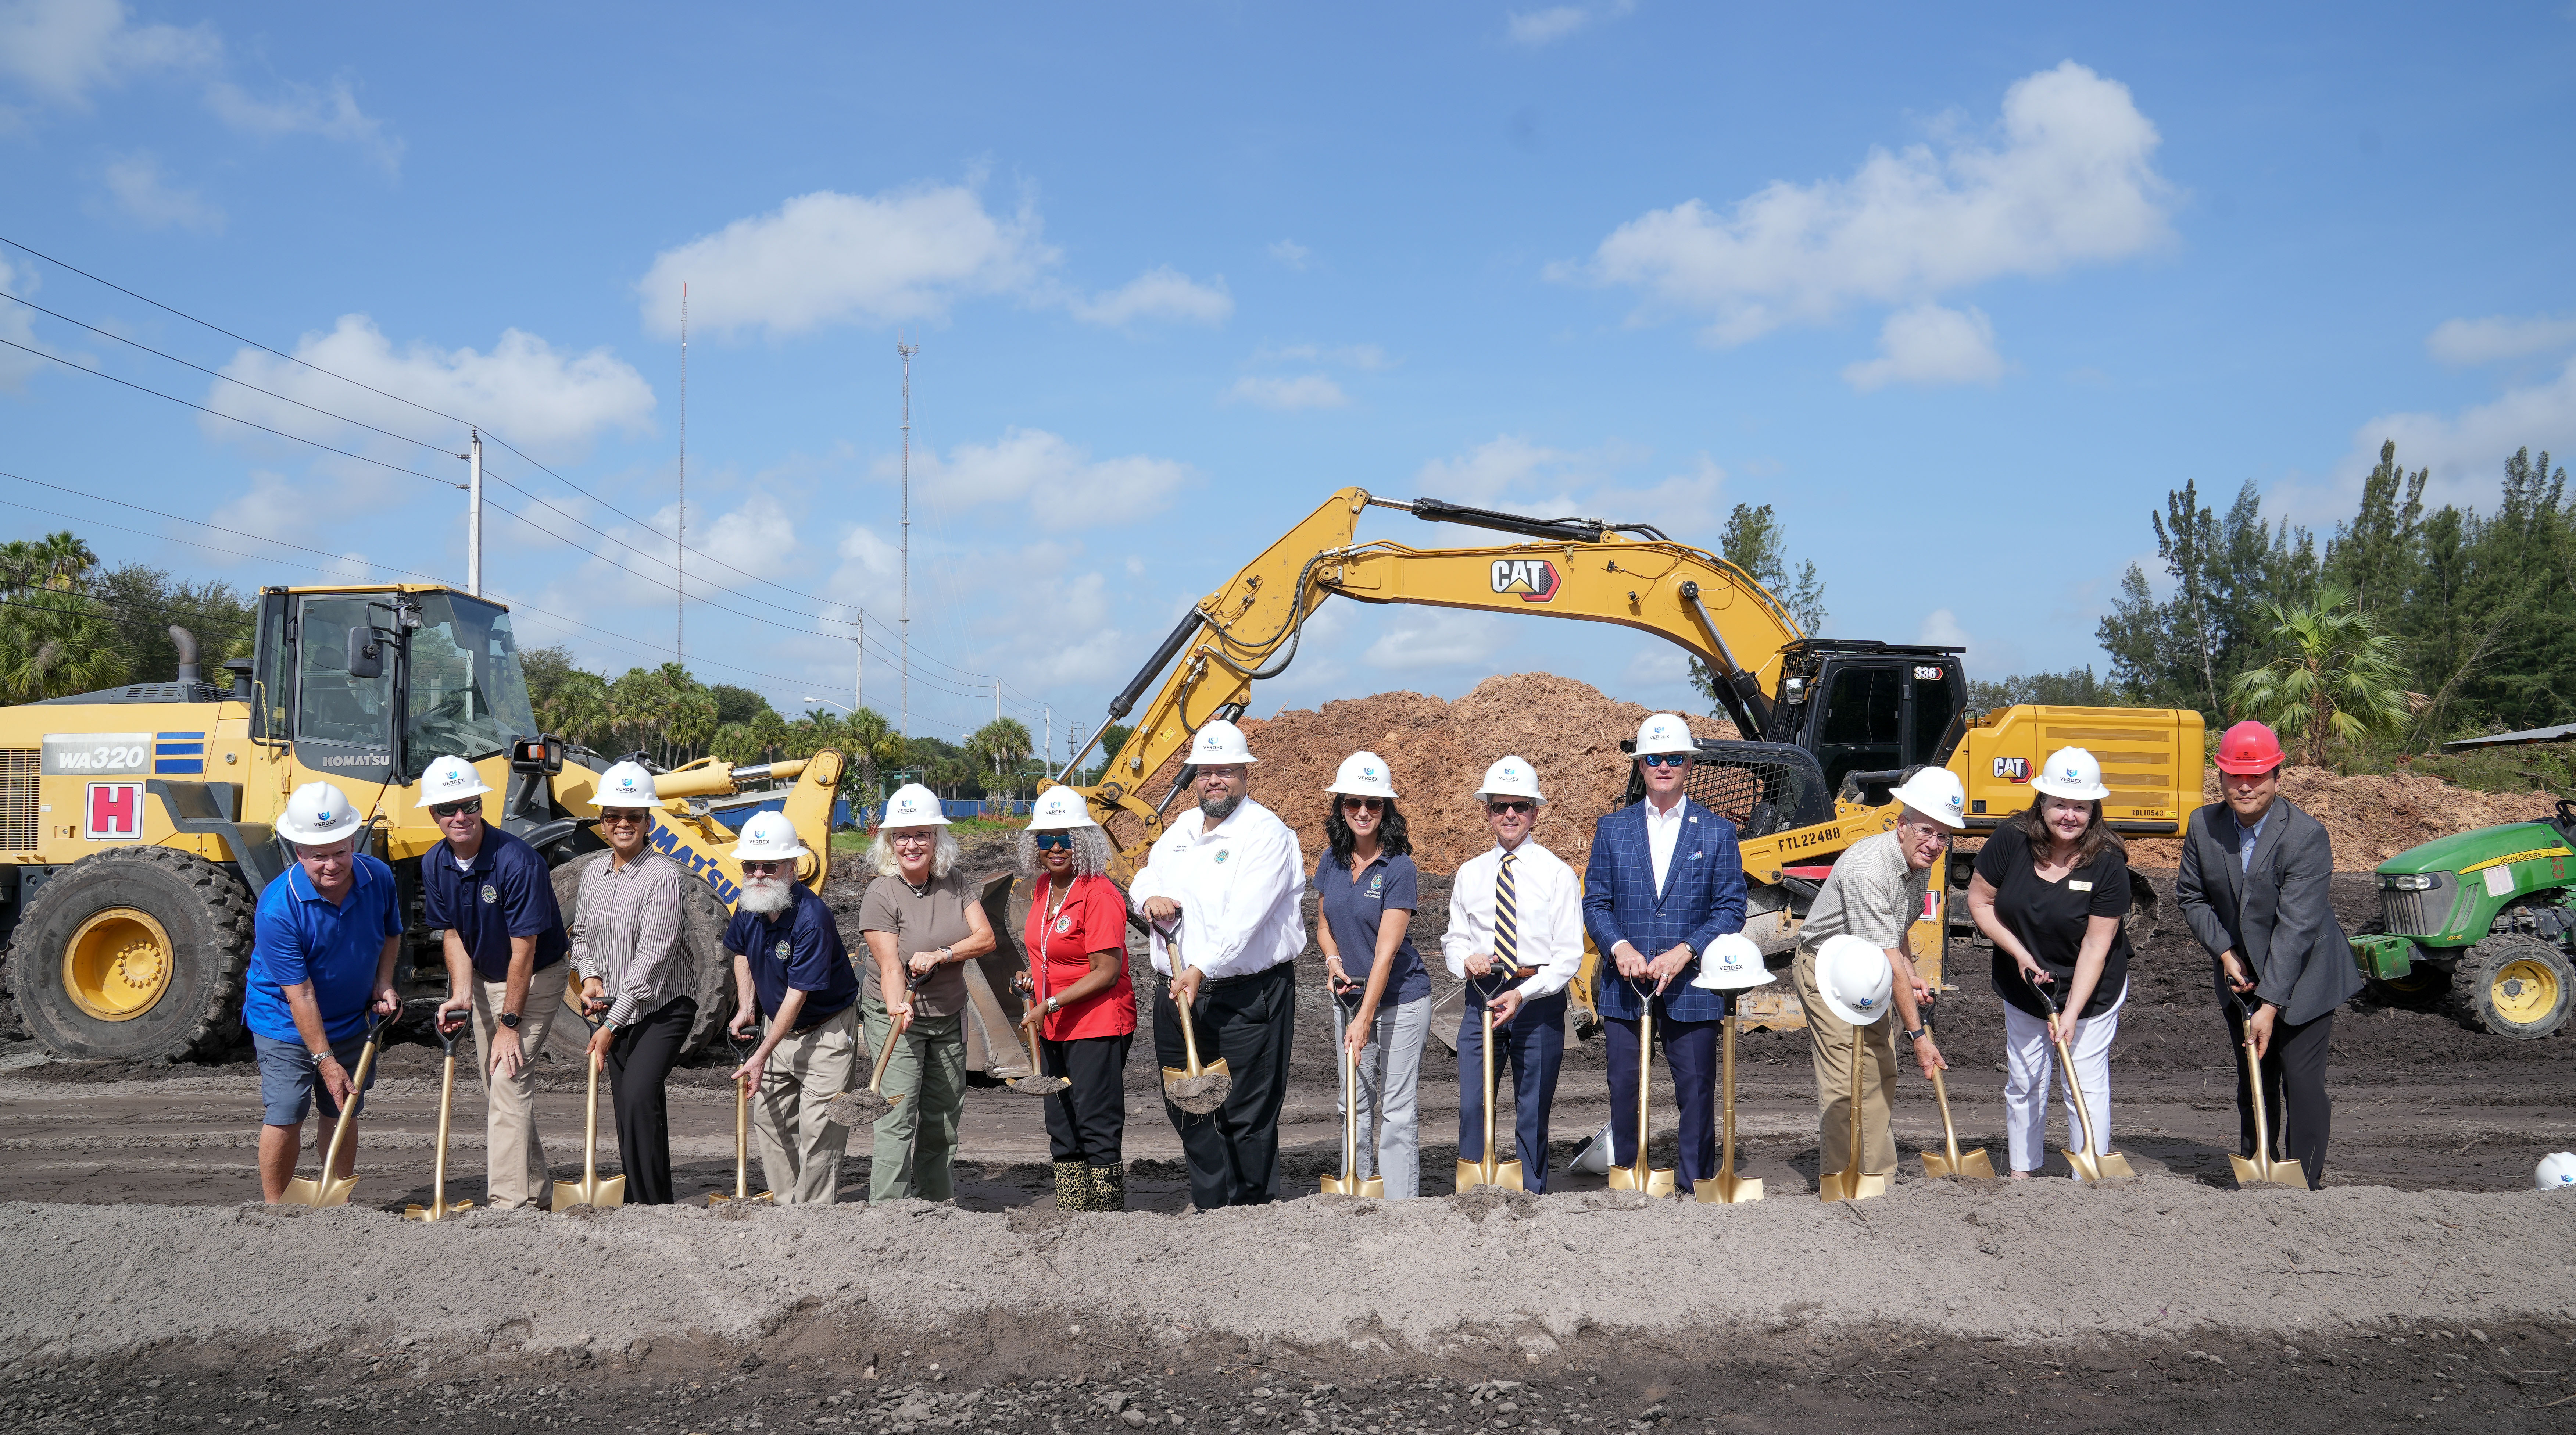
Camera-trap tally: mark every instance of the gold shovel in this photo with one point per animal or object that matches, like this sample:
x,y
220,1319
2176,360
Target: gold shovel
x,y
1195,1088
2260,1167
1491,1171
1850,1184
438,1208
590,1190
1654,1181
742,1193
327,1189
2088,1167
1727,1188
1973,1161
1349,1183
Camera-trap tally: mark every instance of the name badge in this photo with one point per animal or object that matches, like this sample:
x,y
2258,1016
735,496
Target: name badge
x,y
2079,886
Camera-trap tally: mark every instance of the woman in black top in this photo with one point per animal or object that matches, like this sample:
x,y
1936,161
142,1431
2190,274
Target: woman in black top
x,y
2051,888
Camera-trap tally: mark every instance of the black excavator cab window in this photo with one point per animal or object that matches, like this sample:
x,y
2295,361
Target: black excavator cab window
x,y
1863,726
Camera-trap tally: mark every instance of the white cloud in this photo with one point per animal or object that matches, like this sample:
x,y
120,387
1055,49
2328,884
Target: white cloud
x,y
1436,638
1930,345
1306,391
1499,466
2071,182
757,537
1291,253
1941,629
2465,451
2503,336
1687,505
1160,293
315,514
139,189
1353,356
18,326
331,113
1538,29
63,49
1056,480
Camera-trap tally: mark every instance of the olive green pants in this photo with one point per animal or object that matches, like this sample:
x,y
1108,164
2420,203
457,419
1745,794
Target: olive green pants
x,y
916,1143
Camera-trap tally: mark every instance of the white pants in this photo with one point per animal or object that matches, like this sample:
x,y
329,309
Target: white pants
x,y
1390,1096
2031,1061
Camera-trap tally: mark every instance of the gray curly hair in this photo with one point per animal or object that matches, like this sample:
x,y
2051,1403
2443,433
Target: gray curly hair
x,y
881,855
1090,852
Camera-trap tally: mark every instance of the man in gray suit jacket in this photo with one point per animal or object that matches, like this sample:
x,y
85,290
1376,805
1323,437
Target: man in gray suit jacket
x,y
2254,887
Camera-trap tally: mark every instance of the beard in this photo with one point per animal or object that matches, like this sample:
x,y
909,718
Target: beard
x,y
766,896
1213,810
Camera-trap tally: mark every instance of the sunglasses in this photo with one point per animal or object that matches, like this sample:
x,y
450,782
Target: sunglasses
x,y
1363,804
446,810
1666,759
1512,808
1052,841
763,869
621,817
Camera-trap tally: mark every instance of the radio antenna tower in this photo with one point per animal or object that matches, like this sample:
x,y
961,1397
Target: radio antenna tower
x,y
680,564
907,351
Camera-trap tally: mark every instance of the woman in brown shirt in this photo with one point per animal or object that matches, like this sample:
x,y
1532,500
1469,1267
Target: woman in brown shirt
x,y
922,923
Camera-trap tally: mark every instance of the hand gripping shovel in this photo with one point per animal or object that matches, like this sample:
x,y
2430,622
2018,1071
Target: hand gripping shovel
x,y
1973,1161
1349,1182
327,1189
1727,1188
2088,1167
1195,1089
590,1190
742,1192
1037,1082
869,1104
1654,1181
1491,1171
2261,1166
1851,1183
438,1208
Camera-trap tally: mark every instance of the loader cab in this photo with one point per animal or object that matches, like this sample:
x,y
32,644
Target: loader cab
x,y
1869,707
371,684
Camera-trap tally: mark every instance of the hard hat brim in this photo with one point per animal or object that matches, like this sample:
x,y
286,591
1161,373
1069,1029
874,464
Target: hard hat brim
x,y
1336,789
481,789
1481,798
2068,791
1050,822
1717,979
315,837
800,850
1853,1015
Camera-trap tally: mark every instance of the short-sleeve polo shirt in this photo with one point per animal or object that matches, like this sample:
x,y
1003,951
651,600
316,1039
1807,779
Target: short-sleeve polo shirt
x,y
303,936
506,892
800,949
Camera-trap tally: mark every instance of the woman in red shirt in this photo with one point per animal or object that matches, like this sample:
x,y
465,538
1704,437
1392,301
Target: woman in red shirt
x,y
1082,1007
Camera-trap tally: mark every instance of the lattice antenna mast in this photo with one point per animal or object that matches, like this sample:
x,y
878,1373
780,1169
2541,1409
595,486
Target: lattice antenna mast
x,y
907,351
680,587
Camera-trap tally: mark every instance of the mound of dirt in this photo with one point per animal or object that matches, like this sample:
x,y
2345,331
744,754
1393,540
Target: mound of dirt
x,y
2372,816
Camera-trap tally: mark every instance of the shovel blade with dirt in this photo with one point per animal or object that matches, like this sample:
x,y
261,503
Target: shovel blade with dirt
x,y
327,1189
1198,1088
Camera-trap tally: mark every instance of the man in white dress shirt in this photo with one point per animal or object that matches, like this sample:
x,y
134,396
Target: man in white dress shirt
x,y
1231,875
1516,934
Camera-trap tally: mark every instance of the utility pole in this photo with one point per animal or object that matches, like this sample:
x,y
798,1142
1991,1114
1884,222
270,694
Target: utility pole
x,y
907,351
680,560
474,514
997,699
859,677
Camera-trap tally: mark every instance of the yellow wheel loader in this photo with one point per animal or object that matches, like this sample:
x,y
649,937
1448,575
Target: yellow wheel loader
x,y
136,823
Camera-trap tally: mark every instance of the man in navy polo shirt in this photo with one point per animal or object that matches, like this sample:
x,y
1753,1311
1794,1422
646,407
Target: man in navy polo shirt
x,y
494,900
328,930
790,965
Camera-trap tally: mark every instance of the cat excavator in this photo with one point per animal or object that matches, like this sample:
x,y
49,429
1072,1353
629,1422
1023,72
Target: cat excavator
x,y
1826,726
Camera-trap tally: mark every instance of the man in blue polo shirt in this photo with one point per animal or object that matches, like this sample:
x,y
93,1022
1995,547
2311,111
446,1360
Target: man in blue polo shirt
x,y
494,900
790,965
328,930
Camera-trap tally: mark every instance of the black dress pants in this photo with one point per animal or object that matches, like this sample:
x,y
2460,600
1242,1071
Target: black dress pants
x,y
1087,1121
2294,1093
1233,1152
638,1062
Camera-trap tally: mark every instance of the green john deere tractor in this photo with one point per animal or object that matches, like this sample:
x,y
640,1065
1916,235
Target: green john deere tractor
x,y
2484,920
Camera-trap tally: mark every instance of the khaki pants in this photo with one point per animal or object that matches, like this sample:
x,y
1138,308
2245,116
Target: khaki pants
x,y
515,1171
1832,1038
800,1151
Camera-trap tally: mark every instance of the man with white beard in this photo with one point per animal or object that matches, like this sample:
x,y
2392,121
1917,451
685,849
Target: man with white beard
x,y
790,966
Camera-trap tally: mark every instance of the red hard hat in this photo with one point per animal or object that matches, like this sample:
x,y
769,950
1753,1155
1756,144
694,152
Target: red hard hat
x,y
2248,748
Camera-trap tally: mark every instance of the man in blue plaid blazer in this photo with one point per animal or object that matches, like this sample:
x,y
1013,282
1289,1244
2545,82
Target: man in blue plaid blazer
x,y
1664,881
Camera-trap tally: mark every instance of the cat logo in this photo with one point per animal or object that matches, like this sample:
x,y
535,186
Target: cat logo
x,y
2014,769
1533,578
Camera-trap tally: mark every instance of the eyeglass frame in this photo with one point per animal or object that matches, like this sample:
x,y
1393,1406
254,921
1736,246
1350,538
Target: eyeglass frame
x,y
1514,806
1665,759
458,808
1353,803
1052,841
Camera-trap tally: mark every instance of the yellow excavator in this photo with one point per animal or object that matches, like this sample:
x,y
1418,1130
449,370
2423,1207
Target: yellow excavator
x,y
1827,725
136,823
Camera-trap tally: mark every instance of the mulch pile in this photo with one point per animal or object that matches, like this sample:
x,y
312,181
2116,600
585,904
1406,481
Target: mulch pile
x,y
2373,816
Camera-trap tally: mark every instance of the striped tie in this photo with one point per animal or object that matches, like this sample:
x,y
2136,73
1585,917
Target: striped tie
x,y
1507,918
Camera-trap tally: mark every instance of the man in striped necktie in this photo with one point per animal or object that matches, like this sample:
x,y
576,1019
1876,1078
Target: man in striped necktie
x,y
1516,934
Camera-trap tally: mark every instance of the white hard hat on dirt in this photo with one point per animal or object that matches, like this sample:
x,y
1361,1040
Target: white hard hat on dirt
x,y
1594,1158
768,837
1510,777
2557,1172
2074,774
913,805
1731,963
1935,792
1666,733
450,779
317,814
1363,774
1219,743
1059,808
625,785
1854,978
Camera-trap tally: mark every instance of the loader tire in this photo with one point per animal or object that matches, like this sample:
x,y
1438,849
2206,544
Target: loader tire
x,y
134,954
2515,986
702,927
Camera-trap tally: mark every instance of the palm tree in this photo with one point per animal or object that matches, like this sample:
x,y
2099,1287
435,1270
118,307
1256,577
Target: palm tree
x,y
65,558
1002,744
54,644
769,732
874,746
690,722
2338,679
577,710
733,743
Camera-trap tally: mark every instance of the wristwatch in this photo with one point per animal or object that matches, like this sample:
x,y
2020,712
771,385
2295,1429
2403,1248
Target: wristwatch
x,y
1918,1033
947,954
322,1055
510,1019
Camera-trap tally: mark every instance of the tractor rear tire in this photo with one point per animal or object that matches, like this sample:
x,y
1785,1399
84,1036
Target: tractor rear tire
x,y
2515,986
702,927
134,954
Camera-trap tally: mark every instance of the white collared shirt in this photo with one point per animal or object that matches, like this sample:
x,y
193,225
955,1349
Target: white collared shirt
x,y
1663,830
1549,900
1238,885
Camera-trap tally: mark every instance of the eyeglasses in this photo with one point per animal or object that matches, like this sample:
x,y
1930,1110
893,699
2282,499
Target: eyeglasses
x,y
911,839
1511,808
763,869
1666,759
1363,804
1052,841
446,810
619,817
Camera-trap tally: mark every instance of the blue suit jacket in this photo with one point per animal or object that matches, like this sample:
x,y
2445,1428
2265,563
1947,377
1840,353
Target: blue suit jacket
x,y
1702,900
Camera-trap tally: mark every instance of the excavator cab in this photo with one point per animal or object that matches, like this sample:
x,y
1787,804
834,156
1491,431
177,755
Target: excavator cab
x,y
1869,707
374,685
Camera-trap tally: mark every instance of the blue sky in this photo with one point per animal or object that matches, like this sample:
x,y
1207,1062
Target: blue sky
x,y
1961,297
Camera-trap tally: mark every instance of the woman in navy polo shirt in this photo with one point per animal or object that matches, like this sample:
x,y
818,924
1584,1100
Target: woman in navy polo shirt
x,y
1366,892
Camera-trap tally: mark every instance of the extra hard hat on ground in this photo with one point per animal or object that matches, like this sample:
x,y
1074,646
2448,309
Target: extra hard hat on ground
x,y
913,805
1731,963
317,815
450,779
1219,743
2248,749
1510,777
768,837
625,785
1935,792
1059,808
1363,774
1854,979
1666,733
2557,1172
2073,774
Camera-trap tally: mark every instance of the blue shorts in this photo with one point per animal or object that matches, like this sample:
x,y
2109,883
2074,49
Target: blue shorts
x,y
290,1084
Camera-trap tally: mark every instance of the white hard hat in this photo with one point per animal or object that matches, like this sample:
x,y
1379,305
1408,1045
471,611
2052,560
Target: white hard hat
x,y
317,813
768,837
1058,808
450,779
2557,1172
1935,792
1510,777
1666,733
1854,978
625,785
2074,774
1363,774
1731,963
913,805
1594,1158
1219,743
